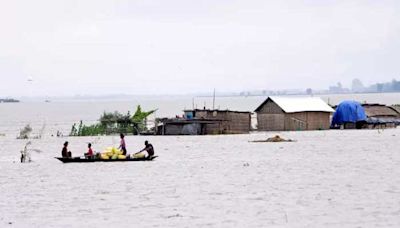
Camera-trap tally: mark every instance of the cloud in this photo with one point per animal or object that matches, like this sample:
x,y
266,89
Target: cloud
x,y
174,46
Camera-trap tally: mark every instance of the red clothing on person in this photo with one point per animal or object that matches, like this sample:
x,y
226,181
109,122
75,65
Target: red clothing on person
x,y
90,152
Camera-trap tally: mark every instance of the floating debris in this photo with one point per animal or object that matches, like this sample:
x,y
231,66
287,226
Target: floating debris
x,y
25,132
175,216
25,153
276,138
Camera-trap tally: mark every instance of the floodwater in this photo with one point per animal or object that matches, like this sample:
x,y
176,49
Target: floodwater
x,y
324,179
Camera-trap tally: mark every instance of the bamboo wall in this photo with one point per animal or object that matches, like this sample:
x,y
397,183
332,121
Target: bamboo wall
x,y
270,122
271,108
307,121
231,122
237,122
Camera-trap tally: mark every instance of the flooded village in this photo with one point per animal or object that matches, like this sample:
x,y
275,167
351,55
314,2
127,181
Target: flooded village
x,y
281,113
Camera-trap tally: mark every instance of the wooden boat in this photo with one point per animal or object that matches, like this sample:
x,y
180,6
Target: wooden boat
x,y
80,160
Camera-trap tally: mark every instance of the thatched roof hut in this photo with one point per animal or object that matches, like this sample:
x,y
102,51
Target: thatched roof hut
x,y
380,110
375,116
396,108
381,116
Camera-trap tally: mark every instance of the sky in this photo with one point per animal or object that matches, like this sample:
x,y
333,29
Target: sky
x,y
95,47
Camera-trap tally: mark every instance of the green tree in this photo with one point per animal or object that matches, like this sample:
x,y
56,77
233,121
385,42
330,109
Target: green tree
x,y
114,122
139,119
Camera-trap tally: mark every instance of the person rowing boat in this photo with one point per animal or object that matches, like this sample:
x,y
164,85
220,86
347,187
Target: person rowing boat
x,y
148,148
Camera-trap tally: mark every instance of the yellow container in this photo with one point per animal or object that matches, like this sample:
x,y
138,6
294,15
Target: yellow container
x,y
139,155
110,154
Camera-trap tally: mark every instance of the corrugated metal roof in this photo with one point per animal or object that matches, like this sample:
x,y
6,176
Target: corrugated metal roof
x,y
300,104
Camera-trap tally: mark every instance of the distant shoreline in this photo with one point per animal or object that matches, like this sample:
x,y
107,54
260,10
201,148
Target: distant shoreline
x,y
295,94
192,95
9,100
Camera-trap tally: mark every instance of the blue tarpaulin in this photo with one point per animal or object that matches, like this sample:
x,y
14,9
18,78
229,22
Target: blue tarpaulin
x,y
348,112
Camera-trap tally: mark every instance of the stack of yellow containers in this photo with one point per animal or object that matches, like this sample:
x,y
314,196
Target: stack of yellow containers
x,y
112,153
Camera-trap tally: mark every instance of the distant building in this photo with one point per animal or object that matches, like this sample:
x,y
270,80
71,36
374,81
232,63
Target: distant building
x,y
293,113
205,122
338,89
357,86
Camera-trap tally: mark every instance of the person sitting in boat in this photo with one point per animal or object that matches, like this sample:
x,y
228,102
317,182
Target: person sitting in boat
x,y
122,145
149,149
89,154
65,153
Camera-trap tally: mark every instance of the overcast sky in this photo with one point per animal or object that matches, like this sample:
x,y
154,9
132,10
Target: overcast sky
x,y
167,47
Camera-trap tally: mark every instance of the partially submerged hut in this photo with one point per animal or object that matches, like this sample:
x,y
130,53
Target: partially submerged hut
x,y
293,113
353,115
206,121
182,126
396,108
382,116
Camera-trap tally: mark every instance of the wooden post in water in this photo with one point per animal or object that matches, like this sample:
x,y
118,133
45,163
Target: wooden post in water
x,y
214,100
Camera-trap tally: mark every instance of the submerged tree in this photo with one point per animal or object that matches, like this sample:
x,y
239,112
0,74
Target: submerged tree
x,y
25,153
139,119
113,123
25,132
